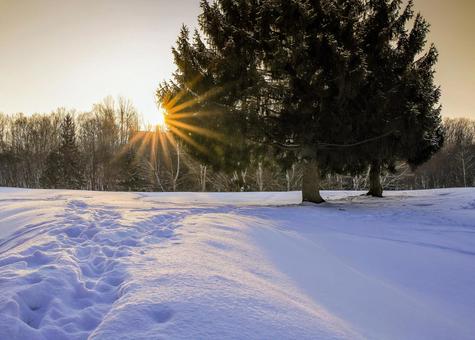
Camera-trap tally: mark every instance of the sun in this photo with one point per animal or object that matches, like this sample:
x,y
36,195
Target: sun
x,y
158,120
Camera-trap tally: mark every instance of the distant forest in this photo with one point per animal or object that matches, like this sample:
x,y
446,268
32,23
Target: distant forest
x,y
105,149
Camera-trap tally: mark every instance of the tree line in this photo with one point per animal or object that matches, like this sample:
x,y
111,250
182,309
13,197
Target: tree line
x,y
105,149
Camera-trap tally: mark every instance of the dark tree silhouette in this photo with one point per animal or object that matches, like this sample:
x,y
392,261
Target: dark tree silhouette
x,y
400,98
260,82
64,166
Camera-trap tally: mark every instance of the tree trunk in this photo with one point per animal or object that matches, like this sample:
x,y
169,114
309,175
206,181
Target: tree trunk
x,y
203,177
375,187
311,183
464,172
259,180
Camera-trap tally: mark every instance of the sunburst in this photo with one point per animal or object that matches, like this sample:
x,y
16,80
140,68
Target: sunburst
x,y
173,123
179,117
158,121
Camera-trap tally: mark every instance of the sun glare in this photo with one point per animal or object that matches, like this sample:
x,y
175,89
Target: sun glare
x,y
158,120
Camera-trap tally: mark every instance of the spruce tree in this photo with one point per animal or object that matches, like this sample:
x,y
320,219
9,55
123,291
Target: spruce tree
x,y
400,99
335,85
271,74
64,165
71,157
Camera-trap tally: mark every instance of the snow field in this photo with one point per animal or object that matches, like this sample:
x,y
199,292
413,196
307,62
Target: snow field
x,y
77,265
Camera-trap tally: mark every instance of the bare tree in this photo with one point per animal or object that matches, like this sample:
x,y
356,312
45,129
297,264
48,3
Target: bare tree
x,y
202,178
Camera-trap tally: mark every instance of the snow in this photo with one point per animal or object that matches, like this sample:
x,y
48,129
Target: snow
x,y
77,265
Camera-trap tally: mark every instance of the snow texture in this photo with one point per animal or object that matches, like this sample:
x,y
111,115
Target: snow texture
x,y
78,265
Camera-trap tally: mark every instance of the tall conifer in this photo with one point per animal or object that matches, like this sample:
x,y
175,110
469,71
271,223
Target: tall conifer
x,y
270,74
400,99
64,166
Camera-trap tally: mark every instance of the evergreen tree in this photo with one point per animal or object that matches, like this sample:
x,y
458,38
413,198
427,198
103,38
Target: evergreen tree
x,y
400,99
70,155
64,166
335,85
279,74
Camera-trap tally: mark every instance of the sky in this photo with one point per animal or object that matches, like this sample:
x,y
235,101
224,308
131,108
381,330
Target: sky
x,y
74,53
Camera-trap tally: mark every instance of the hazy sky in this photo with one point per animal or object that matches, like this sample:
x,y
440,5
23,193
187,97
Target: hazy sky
x,y
73,53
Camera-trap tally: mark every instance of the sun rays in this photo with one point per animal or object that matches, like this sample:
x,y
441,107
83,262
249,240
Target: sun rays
x,y
176,121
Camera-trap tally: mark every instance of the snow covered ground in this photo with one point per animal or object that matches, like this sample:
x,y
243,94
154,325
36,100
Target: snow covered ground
x,y
82,264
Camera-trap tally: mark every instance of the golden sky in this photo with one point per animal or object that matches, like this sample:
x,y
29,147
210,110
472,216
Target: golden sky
x,y
453,32
73,53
